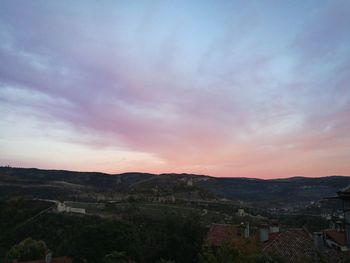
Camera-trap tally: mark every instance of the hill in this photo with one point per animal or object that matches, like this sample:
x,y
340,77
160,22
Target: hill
x,y
59,184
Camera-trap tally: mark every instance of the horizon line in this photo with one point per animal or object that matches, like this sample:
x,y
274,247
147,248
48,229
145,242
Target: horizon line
x,y
183,173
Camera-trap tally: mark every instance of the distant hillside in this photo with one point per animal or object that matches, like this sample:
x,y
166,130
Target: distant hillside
x,y
57,184
289,190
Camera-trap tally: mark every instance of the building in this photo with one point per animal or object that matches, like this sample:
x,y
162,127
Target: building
x,y
63,207
335,239
298,245
293,245
274,226
240,212
189,182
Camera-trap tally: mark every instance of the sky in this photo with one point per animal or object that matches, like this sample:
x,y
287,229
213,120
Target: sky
x,y
223,88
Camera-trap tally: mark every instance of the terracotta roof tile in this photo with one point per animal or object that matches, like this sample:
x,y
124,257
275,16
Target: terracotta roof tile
x,y
296,245
336,236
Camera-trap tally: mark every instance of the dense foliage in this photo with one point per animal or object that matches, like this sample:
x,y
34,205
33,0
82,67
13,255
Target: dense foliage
x,y
27,249
237,250
312,223
140,238
141,235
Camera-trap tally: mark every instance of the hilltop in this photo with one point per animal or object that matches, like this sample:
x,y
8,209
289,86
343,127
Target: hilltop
x,y
60,184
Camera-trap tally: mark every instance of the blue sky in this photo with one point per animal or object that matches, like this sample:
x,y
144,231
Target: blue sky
x,y
226,88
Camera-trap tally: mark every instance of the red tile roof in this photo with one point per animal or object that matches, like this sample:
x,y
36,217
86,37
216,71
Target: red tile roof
x,y
220,233
337,236
296,245
274,222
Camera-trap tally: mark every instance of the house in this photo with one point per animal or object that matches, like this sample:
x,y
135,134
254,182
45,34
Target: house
x,y
274,226
63,207
335,239
298,245
295,245
240,212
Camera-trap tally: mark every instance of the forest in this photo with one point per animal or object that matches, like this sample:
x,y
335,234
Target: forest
x,y
135,237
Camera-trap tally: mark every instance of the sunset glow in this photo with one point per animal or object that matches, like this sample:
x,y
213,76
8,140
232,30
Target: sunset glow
x,y
222,88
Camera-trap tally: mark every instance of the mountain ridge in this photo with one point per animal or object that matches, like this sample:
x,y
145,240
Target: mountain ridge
x,y
179,174
65,185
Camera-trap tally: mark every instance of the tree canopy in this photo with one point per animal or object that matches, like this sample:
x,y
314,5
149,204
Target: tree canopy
x,y
28,249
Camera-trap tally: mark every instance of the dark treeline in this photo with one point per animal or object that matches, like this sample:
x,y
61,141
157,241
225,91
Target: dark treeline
x,y
128,235
140,238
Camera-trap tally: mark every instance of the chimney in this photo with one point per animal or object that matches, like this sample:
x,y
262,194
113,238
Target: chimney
x,y
246,230
48,257
274,226
318,240
264,233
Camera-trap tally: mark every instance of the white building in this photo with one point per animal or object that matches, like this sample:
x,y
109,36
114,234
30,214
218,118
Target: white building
x,y
241,212
62,207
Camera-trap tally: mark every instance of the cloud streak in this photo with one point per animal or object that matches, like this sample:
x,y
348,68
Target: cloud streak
x,y
258,94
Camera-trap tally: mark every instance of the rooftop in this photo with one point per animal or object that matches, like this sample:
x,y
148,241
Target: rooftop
x,y
296,245
337,236
345,192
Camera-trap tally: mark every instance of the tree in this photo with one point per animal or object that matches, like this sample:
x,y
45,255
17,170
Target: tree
x,y
223,254
238,250
244,246
96,241
28,249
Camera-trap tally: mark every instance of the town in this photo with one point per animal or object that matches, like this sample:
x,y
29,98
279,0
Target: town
x,y
137,217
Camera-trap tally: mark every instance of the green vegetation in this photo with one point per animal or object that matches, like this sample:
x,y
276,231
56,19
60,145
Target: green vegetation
x,y
137,231
27,249
92,187
137,237
237,250
312,223
150,218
